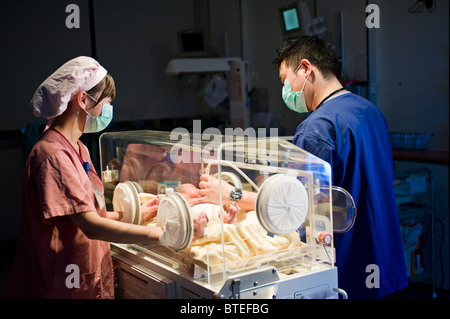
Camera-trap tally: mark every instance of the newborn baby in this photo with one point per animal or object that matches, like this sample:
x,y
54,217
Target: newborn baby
x,y
200,217
244,236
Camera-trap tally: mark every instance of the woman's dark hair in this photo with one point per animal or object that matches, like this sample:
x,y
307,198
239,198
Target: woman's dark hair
x,y
315,50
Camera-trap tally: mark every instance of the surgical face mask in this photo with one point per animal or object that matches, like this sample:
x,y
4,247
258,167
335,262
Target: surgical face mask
x,y
97,124
294,100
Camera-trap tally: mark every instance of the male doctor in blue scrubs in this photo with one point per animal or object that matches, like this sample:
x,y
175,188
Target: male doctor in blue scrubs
x,y
350,133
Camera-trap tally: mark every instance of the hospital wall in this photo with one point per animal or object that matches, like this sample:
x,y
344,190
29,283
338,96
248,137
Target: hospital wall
x,y
134,40
407,67
409,82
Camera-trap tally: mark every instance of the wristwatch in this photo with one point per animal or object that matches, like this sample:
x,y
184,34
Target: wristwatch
x,y
236,195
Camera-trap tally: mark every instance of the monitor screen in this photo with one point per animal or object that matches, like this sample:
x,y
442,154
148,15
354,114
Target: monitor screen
x,y
290,19
192,43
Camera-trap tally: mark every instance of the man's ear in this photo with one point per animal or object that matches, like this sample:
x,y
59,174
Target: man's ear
x,y
306,66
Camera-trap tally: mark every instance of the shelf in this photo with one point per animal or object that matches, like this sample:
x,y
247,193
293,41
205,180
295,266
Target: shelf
x,y
414,199
412,212
421,277
423,156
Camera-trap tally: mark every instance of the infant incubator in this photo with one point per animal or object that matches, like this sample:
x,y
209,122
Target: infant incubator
x,y
282,247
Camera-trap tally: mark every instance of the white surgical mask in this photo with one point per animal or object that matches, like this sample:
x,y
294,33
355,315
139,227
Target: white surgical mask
x,y
96,124
294,100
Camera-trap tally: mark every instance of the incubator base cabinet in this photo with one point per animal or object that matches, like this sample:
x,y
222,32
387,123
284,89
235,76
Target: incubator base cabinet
x,y
279,246
139,277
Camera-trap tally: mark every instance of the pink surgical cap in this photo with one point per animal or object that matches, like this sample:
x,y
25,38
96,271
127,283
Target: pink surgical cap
x,y
79,74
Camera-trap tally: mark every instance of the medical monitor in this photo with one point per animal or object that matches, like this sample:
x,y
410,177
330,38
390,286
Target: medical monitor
x,y
192,43
290,21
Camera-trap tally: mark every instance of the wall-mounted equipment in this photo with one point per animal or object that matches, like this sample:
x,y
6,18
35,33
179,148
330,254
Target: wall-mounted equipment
x,y
197,65
192,43
296,20
290,21
420,5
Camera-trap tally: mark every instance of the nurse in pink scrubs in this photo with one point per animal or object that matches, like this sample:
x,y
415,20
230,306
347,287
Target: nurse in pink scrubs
x,y
63,247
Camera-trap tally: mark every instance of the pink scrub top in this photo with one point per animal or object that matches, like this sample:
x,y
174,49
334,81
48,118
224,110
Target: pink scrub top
x,y
54,259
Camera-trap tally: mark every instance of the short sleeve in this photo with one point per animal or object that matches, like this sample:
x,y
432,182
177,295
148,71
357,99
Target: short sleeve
x,y
315,145
64,187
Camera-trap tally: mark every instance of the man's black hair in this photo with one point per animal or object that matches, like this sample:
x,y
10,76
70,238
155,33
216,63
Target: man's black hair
x,y
315,50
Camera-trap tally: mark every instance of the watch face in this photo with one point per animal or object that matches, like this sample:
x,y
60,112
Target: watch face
x,y
236,194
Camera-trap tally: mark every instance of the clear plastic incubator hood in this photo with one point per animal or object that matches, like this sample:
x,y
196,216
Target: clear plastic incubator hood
x,y
276,242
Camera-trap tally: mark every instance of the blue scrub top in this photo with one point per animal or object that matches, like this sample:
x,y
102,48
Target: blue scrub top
x,y
351,134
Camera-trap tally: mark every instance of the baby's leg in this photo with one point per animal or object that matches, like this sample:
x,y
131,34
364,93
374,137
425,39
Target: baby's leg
x,y
199,222
231,213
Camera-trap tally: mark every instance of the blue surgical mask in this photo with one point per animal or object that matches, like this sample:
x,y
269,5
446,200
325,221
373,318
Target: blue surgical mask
x,y
97,124
294,100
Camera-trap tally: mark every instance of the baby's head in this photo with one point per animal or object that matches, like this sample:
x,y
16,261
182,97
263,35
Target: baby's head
x,y
189,191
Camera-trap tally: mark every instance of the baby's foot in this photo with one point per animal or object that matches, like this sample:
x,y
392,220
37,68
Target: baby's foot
x,y
199,222
231,213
